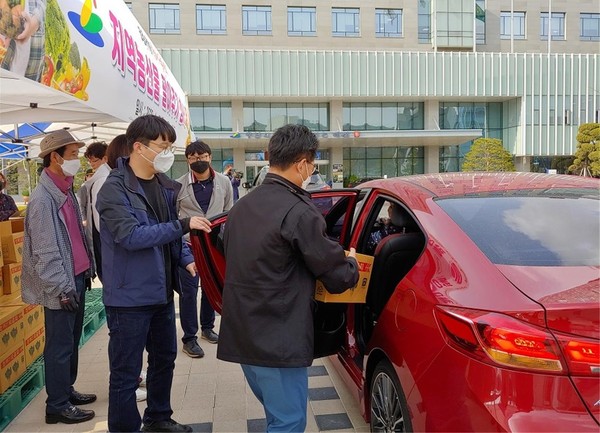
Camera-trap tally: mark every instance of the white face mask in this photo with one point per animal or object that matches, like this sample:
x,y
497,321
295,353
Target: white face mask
x,y
70,167
306,181
162,162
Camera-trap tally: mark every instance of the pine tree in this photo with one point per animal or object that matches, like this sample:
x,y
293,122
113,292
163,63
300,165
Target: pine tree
x,y
587,156
488,154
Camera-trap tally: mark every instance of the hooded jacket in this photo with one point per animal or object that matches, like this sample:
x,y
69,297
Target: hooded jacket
x,y
132,238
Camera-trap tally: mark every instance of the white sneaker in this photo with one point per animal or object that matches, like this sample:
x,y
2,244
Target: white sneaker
x,y
142,379
140,394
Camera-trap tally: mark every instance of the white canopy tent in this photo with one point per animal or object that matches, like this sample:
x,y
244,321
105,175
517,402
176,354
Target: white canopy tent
x,y
100,71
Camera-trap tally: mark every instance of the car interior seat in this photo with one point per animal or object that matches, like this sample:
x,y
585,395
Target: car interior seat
x,y
394,256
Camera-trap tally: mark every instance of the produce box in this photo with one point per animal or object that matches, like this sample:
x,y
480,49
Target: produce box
x,y
17,224
11,277
33,318
12,366
11,328
12,243
355,295
34,345
10,299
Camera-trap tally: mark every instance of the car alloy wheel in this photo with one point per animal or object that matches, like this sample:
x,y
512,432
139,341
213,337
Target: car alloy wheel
x,y
388,406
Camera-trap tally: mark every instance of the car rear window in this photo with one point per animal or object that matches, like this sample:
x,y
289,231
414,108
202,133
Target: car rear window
x,y
532,228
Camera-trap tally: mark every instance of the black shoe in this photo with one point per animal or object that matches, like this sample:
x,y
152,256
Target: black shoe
x,y
167,425
192,349
78,398
210,336
72,415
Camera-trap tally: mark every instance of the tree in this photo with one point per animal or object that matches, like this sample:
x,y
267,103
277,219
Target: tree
x,y
587,155
488,154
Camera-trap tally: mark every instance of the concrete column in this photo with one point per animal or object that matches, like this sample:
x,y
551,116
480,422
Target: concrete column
x,y
237,115
432,153
432,159
336,118
337,157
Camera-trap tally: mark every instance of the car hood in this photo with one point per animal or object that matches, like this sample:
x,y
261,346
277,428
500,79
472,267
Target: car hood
x,y
570,295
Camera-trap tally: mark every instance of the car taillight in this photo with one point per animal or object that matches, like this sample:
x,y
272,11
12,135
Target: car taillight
x,y
496,338
582,355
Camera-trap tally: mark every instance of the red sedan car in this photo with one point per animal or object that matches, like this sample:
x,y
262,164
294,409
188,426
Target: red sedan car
x,y
482,312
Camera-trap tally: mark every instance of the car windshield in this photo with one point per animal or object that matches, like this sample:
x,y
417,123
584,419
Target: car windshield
x,y
532,228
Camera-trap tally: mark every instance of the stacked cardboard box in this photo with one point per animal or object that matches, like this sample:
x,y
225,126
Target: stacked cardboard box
x,y
11,237
12,348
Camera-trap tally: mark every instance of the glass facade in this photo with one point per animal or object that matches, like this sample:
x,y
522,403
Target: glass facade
x,y
269,116
256,20
480,21
164,18
424,21
211,19
366,162
210,116
468,115
302,21
383,116
388,23
345,22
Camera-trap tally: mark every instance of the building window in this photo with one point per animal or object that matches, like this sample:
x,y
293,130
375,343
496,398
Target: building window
x,y
210,116
164,18
388,23
256,20
269,116
518,25
302,21
424,21
382,116
211,20
368,162
480,21
345,22
557,26
589,27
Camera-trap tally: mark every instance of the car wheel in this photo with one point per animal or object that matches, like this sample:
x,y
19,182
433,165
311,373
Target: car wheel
x,y
389,411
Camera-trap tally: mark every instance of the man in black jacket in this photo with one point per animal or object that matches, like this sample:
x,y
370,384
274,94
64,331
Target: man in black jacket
x,y
267,320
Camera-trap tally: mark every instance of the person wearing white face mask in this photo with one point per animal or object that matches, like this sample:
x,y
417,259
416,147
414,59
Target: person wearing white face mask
x,y
142,250
57,267
276,247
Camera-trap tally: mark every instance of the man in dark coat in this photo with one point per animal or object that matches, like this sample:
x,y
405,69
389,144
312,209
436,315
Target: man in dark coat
x,y
276,247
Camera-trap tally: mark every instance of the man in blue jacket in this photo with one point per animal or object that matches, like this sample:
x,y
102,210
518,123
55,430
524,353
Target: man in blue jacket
x,y
141,238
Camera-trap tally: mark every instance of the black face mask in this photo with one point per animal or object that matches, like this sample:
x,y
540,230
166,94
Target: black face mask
x,y
200,166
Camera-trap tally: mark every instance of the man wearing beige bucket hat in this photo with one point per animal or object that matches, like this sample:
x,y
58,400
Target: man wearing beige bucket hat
x,y
57,268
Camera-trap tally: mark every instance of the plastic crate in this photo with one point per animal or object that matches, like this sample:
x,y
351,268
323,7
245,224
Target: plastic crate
x,y
94,317
21,392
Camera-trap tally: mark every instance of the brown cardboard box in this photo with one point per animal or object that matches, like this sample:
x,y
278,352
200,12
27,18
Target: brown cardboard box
x,y
12,243
33,318
11,327
355,295
12,366
17,224
34,345
11,277
10,299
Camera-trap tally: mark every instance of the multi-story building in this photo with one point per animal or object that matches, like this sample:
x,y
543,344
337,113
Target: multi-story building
x,y
391,87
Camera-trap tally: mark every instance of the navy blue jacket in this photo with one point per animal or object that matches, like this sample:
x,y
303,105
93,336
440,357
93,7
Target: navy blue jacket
x,y
132,238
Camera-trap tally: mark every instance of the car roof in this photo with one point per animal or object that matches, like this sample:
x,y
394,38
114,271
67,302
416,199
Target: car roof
x,y
444,185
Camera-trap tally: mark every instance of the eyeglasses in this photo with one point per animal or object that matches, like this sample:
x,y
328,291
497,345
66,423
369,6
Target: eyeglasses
x,y
164,151
192,159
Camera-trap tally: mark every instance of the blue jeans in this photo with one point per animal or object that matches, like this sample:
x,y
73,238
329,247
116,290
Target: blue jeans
x,y
283,392
130,331
61,352
188,307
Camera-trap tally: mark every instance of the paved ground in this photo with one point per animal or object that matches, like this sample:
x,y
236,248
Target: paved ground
x,y
209,394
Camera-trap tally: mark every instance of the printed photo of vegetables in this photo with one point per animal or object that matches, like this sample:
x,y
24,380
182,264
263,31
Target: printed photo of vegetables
x,y
64,69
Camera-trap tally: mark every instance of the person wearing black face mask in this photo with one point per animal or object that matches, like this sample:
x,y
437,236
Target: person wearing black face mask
x,y
7,203
206,193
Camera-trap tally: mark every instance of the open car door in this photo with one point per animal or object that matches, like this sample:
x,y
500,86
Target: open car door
x,y
337,207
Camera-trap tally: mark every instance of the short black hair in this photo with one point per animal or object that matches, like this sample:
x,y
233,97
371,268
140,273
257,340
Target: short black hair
x,y
291,143
116,149
197,147
60,151
97,150
147,128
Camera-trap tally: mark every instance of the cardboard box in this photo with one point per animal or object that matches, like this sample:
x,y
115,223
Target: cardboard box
x,y
11,328
11,277
33,318
12,366
10,299
355,295
17,224
12,243
34,345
